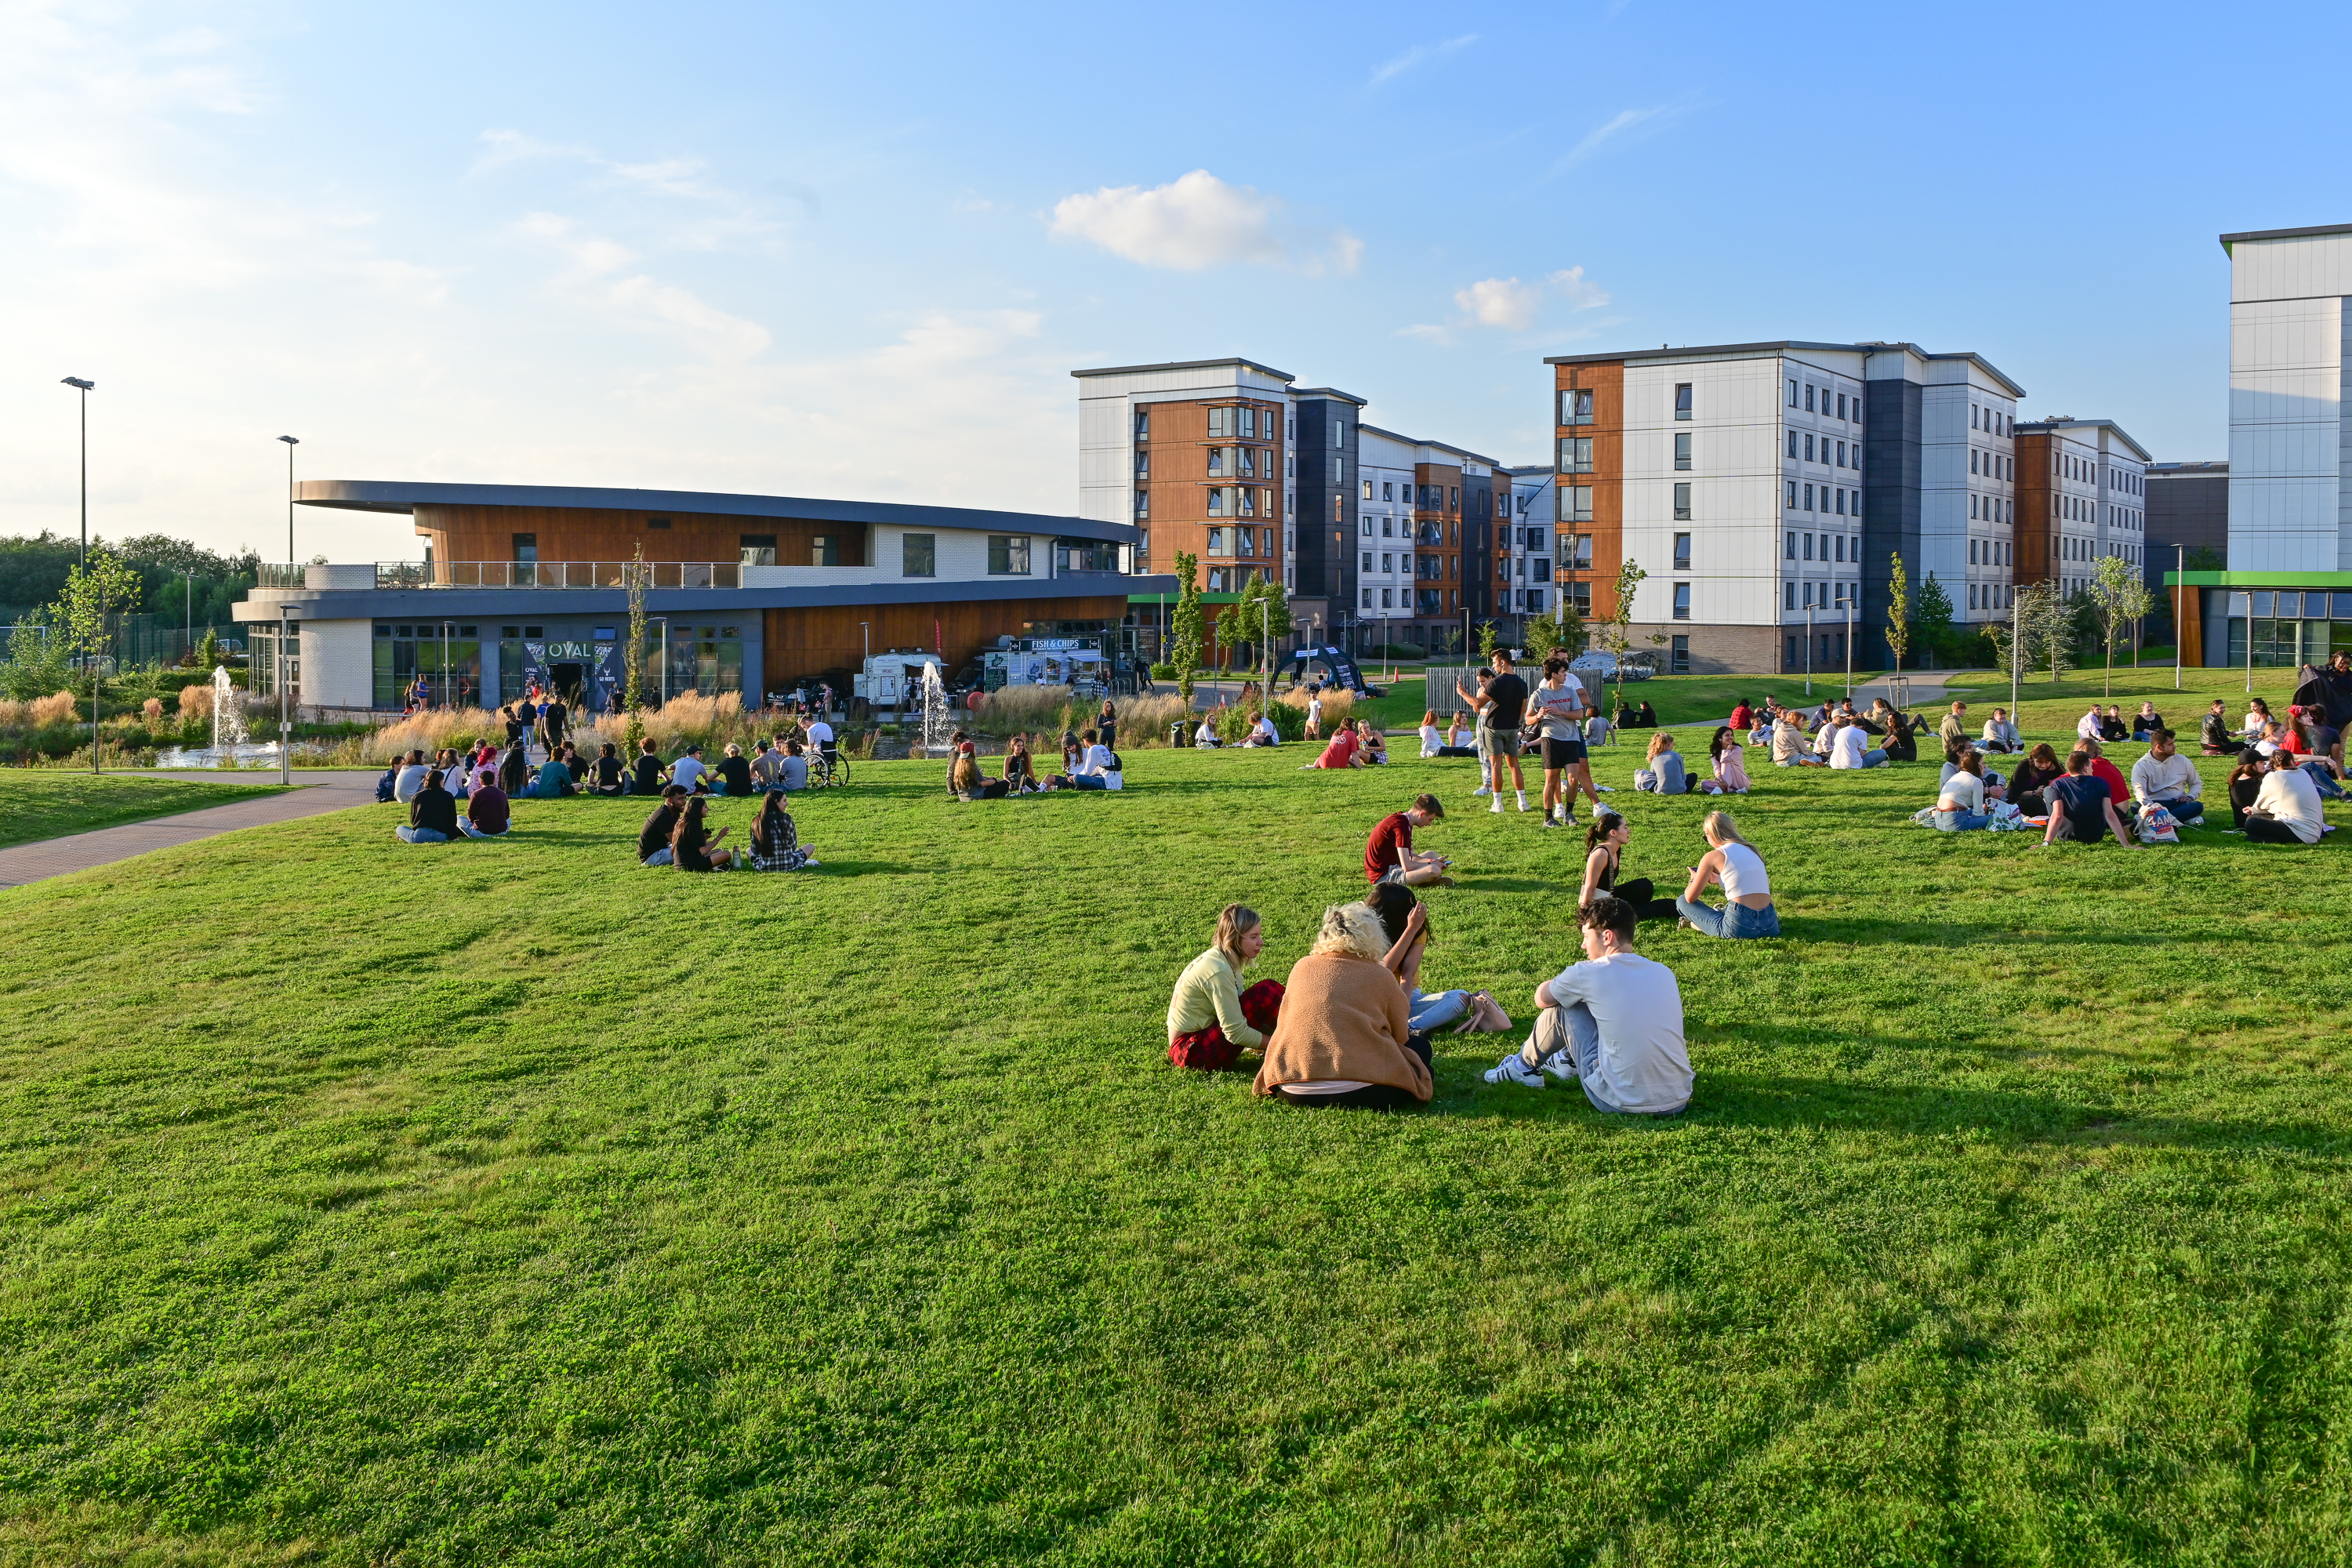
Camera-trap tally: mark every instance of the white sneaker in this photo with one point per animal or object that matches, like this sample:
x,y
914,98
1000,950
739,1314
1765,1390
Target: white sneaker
x,y
1523,800
1513,1070
1497,806
1559,1065
1481,789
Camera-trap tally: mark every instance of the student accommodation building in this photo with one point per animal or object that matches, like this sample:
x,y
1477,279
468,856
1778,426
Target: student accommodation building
x,y
1764,488
2082,496
522,586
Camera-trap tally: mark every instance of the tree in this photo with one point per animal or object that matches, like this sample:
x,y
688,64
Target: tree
x,y
1184,623
1571,632
2119,597
2044,629
1540,636
94,595
37,663
1616,633
1488,643
1933,621
1898,609
2203,558
633,674
1259,615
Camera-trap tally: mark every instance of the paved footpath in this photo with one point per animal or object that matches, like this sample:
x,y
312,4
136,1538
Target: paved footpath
x,y
314,791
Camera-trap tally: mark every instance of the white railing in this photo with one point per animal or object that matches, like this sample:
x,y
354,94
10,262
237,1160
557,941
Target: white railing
x,y
558,573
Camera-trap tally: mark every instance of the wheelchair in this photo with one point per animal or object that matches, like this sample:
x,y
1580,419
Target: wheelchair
x,y
828,769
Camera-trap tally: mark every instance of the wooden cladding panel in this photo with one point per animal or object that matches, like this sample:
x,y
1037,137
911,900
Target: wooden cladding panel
x,y
584,533
1180,518
1606,381
2035,526
801,642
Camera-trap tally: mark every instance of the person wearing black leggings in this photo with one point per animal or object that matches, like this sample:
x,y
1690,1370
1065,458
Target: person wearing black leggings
x,y
1604,847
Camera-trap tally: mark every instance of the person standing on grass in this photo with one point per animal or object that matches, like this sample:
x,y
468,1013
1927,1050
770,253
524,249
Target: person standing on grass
x,y
1731,860
1481,738
1211,1019
2081,811
1389,853
432,814
652,838
1315,713
2166,778
2286,809
1506,702
1612,1023
1558,703
1344,1035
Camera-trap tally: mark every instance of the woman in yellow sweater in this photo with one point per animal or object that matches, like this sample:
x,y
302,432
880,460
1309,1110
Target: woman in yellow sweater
x,y
1211,1019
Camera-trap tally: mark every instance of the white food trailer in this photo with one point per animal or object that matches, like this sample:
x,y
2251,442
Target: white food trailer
x,y
893,680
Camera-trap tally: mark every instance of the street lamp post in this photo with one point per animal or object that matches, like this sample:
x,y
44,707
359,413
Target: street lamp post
x,y
290,444
85,388
285,718
2180,620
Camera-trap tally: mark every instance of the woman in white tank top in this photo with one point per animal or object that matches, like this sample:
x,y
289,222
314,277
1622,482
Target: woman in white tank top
x,y
1747,889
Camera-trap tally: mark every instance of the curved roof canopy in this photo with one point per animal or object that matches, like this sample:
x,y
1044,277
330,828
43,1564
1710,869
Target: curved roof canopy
x,y
396,496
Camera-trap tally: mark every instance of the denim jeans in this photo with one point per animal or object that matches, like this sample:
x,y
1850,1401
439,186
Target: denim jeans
x,y
421,835
1572,1031
660,857
2328,788
1962,821
1732,920
1873,758
465,826
2184,809
1432,1010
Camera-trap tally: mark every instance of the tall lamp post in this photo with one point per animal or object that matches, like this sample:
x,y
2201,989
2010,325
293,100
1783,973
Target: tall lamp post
x,y
290,444
2180,604
285,715
85,388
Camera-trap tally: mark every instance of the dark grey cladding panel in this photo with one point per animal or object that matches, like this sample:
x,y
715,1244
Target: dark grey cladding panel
x,y
1326,565
1891,476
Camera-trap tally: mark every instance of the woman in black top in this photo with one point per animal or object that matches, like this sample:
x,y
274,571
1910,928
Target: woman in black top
x,y
734,771
646,770
2245,784
1018,774
1604,847
1106,722
692,845
516,727
1902,738
514,770
2031,778
434,810
1648,718
604,772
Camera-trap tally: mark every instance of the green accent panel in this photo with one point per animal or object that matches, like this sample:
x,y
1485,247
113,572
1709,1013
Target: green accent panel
x,y
2259,579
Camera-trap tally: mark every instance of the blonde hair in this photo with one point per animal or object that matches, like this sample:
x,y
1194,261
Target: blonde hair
x,y
1234,922
1720,826
1352,929
966,774
1663,740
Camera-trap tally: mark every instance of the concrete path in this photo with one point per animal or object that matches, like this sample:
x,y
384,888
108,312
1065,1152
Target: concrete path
x,y
314,791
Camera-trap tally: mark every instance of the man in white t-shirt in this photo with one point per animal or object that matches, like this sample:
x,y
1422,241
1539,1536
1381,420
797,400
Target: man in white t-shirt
x,y
689,771
1097,765
1846,746
820,735
1614,1023
412,778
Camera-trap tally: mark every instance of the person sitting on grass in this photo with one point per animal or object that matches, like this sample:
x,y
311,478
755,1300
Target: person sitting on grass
x,y
487,812
1955,726
2213,736
2107,773
432,814
775,842
1789,749
693,846
2245,784
514,769
2166,778
765,760
1211,1019
645,771
2257,720
552,781
1453,727
688,769
792,772
1371,745
1604,857
734,772
2082,810
1960,804
1849,747
2286,809
1098,767
413,774
2000,736
965,784
1205,737
652,838
1728,760
1344,1035
607,776
2112,728
1664,770
1431,742
1902,737
2088,726
1731,860
2040,769
1388,854
1404,919
1074,751
1645,716
1742,716
1261,732
1612,1023
2146,722
1020,777
387,787
1345,751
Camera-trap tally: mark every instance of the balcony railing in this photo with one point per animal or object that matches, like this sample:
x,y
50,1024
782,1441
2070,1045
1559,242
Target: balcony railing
x,y
280,575
558,573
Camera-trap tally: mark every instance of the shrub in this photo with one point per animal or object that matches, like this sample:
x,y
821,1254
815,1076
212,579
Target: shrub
x,y
56,709
197,700
153,708
1338,707
1163,672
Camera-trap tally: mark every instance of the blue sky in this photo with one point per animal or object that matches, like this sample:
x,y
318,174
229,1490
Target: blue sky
x,y
856,251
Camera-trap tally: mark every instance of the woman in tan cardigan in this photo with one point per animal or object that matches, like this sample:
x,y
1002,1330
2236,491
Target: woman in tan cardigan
x,y
1344,1035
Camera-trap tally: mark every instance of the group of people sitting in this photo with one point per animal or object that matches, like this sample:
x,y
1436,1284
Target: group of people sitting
x,y
1355,744
1832,736
1351,1025
679,834
1088,762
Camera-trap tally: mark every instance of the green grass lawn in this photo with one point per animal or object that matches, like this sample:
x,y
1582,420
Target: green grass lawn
x,y
507,1202
2051,710
46,803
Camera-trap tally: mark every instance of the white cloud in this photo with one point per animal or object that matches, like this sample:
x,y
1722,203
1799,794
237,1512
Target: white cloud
x,y
1415,54
1500,302
1200,221
1617,125
1578,293
640,300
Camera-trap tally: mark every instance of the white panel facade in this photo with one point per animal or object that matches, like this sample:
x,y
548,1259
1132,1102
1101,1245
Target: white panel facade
x,y
2290,509
338,663
1819,572
1384,542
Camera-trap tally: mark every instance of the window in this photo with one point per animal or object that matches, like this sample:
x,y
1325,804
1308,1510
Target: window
x,y
1681,601
1790,549
1809,545
824,550
659,523
1841,546
1681,651
525,547
1221,422
1575,503
1808,498
1584,552
1367,563
1388,488
1143,465
1143,503
1008,555
1809,448
1388,598
1575,406
1576,454
759,549
1453,497
1682,400
1682,501
1792,392
1367,489
1580,595
1367,598
1338,470
1249,424
1841,454
1217,500
919,555
1974,423
1387,563
1221,541
1792,495
1788,595
1143,425
1841,502
1683,449
1841,414
1809,397
1972,553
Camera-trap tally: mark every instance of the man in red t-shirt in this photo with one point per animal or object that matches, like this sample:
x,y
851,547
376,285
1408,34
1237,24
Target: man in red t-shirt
x,y
2105,771
1390,846
1342,752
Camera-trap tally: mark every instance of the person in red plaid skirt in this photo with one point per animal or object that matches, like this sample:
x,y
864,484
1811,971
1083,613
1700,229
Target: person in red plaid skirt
x,y
1211,1019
